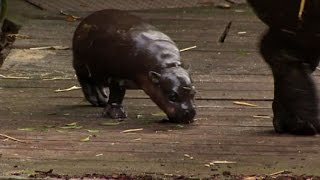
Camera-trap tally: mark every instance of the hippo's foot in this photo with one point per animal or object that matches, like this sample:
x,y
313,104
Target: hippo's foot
x,y
96,96
290,122
115,111
93,89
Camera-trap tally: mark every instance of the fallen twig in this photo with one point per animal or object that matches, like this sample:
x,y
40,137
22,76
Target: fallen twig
x,y
262,116
188,48
225,32
223,162
19,36
51,48
68,89
13,77
56,78
132,130
302,5
280,172
244,104
12,138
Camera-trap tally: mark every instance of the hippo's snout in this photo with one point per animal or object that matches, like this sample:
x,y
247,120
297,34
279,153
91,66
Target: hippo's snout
x,y
189,114
183,116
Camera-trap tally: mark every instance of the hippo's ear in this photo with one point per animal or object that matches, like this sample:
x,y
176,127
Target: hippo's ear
x,y
154,77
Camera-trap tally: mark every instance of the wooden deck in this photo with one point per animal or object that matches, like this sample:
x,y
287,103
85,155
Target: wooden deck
x,y
33,112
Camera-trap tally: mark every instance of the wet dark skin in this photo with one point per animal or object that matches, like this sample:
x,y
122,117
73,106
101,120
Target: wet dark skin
x,y
291,47
113,49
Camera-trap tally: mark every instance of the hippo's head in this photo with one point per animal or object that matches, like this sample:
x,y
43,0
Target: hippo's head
x,y
174,93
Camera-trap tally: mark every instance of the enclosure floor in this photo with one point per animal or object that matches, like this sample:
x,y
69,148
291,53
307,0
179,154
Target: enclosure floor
x,y
240,137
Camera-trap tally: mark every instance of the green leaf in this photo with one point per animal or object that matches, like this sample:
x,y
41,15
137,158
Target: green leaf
x,y
72,124
159,114
92,131
71,127
85,139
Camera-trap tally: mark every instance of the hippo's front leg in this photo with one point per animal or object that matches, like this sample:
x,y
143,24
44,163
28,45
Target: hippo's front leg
x,y
295,105
114,108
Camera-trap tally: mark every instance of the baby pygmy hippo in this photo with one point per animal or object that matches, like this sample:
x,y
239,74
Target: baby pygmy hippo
x,y
291,47
112,48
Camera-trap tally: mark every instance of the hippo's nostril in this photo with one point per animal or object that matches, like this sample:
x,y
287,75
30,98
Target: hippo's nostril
x,y
190,113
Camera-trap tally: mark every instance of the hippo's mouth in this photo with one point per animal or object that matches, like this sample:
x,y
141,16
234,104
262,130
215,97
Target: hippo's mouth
x,y
185,118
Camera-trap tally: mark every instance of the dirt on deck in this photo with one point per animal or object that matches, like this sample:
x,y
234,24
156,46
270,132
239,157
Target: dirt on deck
x,y
48,131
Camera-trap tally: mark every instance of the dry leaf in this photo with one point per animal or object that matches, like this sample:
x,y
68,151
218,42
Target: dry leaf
x,y
69,17
188,156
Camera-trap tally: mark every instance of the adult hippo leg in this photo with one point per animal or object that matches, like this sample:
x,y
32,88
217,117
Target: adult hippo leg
x,y
95,92
114,108
295,104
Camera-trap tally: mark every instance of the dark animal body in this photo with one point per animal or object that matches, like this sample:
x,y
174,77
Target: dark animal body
x,y
114,49
291,47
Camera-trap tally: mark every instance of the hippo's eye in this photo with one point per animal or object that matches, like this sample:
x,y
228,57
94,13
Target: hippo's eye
x,y
173,97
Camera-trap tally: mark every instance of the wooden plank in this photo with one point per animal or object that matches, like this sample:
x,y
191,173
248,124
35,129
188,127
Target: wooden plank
x,y
223,73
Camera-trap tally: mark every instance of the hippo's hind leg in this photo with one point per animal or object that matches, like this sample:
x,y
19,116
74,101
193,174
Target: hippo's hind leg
x,y
93,90
295,104
114,108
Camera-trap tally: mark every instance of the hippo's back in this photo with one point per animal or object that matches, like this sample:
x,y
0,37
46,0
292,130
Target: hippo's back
x,y
115,42
103,40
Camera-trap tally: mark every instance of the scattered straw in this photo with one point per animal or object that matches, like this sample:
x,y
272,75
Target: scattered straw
x,y
302,5
13,77
68,89
279,172
244,104
188,48
131,130
12,138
